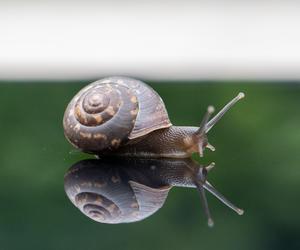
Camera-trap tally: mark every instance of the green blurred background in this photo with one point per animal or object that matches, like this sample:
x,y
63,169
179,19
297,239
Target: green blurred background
x,y
257,157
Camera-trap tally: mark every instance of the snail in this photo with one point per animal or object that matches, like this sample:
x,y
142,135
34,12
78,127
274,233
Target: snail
x,y
126,117
121,190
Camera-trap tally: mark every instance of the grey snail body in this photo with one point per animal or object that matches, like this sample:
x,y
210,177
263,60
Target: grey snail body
x,y
117,190
123,116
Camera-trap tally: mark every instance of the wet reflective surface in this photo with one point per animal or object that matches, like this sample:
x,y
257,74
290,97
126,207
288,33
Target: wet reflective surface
x,y
121,190
257,167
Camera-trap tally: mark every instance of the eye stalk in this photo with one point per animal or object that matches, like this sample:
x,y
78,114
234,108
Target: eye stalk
x,y
222,112
200,181
202,184
200,137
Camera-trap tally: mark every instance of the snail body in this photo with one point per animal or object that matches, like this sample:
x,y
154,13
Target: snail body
x,y
126,117
122,190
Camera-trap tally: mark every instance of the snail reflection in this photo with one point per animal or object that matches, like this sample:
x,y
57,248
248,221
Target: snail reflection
x,y
123,190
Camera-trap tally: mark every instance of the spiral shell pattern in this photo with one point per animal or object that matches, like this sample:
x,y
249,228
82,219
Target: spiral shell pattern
x,y
100,116
111,111
105,193
97,207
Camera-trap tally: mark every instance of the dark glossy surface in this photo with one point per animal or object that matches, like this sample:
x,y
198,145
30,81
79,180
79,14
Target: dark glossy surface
x,y
257,166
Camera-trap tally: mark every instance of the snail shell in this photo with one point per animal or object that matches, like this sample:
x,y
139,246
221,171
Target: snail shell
x,y
108,192
111,111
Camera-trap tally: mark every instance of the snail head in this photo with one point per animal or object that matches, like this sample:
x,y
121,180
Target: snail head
x,y
200,141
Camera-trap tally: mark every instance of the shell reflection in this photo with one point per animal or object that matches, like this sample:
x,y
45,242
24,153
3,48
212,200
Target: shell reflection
x,y
128,190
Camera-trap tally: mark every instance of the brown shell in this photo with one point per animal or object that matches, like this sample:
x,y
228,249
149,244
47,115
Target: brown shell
x,y
152,113
105,193
110,111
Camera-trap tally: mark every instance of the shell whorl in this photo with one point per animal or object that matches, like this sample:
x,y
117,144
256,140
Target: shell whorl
x,y
110,111
97,207
107,194
100,116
